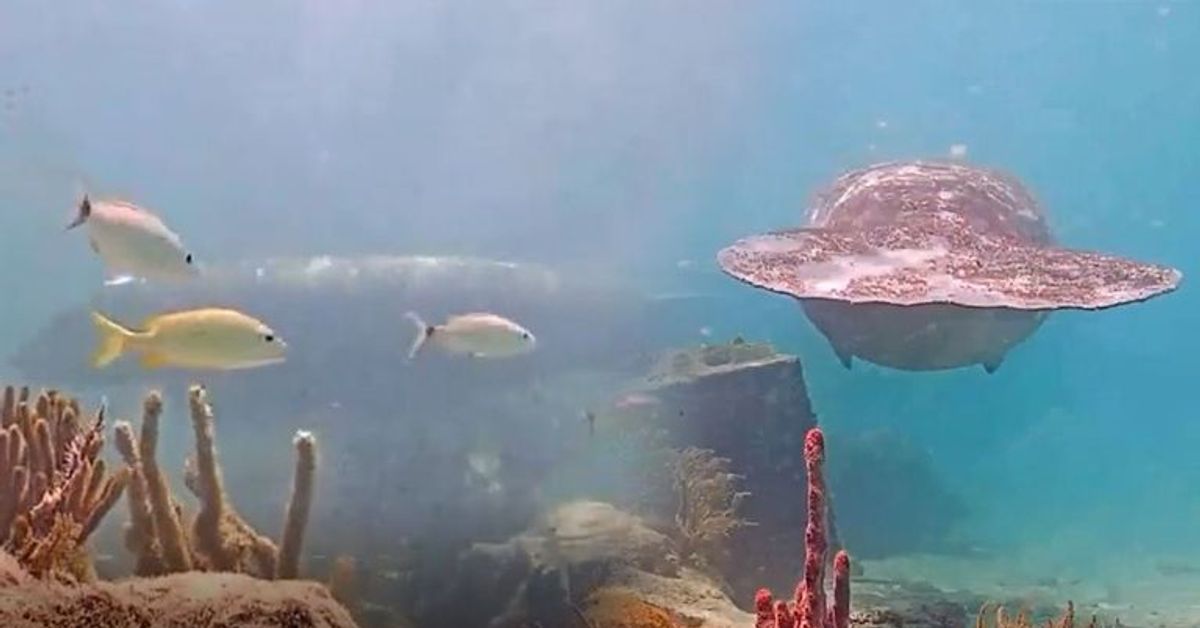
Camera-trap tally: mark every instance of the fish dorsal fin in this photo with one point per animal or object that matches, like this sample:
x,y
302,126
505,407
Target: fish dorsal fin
x,y
149,214
151,360
155,319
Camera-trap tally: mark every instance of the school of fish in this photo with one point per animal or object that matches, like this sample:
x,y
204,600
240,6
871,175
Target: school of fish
x,y
135,244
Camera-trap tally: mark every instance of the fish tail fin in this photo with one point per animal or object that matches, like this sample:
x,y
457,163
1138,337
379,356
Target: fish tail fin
x,y
82,213
424,331
112,339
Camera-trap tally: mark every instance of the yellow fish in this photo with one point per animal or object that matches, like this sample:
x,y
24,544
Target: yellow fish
x,y
207,338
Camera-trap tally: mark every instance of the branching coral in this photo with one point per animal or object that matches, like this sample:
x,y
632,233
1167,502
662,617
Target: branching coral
x,y
808,608
1022,620
218,539
54,490
707,503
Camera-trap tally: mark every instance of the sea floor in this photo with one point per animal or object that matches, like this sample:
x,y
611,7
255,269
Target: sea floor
x,y
1142,591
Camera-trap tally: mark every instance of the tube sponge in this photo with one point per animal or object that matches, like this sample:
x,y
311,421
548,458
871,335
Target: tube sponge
x,y
808,607
139,533
167,525
298,508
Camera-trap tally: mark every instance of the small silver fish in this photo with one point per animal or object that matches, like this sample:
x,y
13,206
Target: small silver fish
x,y
480,335
133,242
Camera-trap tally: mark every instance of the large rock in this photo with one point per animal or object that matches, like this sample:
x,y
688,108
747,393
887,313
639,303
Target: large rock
x,y
187,600
747,403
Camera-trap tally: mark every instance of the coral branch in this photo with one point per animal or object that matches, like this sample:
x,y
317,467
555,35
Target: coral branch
x,y
54,489
217,539
168,529
139,532
808,607
299,506
810,593
209,486
221,535
707,504
841,591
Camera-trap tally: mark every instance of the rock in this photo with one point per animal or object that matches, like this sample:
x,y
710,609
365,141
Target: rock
x,y
692,598
747,402
185,600
596,532
536,576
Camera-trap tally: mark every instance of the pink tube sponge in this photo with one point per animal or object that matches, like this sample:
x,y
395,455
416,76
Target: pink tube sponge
x,y
808,608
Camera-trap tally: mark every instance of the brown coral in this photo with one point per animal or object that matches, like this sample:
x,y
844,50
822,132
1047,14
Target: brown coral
x,y
54,489
218,539
707,503
1022,619
617,607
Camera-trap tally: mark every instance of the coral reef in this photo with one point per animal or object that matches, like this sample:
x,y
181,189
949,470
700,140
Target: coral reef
x,y
748,403
708,503
808,609
54,491
218,539
54,488
1022,619
185,599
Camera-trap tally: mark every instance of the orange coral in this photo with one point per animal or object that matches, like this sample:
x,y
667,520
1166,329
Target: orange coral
x,y
54,490
1022,620
616,607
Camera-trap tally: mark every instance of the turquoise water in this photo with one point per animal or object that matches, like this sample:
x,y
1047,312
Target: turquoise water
x,y
630,136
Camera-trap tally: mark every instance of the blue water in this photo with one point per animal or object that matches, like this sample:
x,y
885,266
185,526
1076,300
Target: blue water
x,y
630,135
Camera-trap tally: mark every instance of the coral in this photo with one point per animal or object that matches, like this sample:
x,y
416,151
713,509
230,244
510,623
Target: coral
x,y
298,506
185,599
224,541
616,607
708,502
748,403
1022,620
808,607
54,490
343,583
218,539
168,527
140,537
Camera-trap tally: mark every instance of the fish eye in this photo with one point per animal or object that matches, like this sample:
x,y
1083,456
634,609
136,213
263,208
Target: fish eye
x,y
524,335
188,259
269,337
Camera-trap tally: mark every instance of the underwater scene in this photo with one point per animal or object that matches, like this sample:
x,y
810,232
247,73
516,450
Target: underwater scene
x,y
599,314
